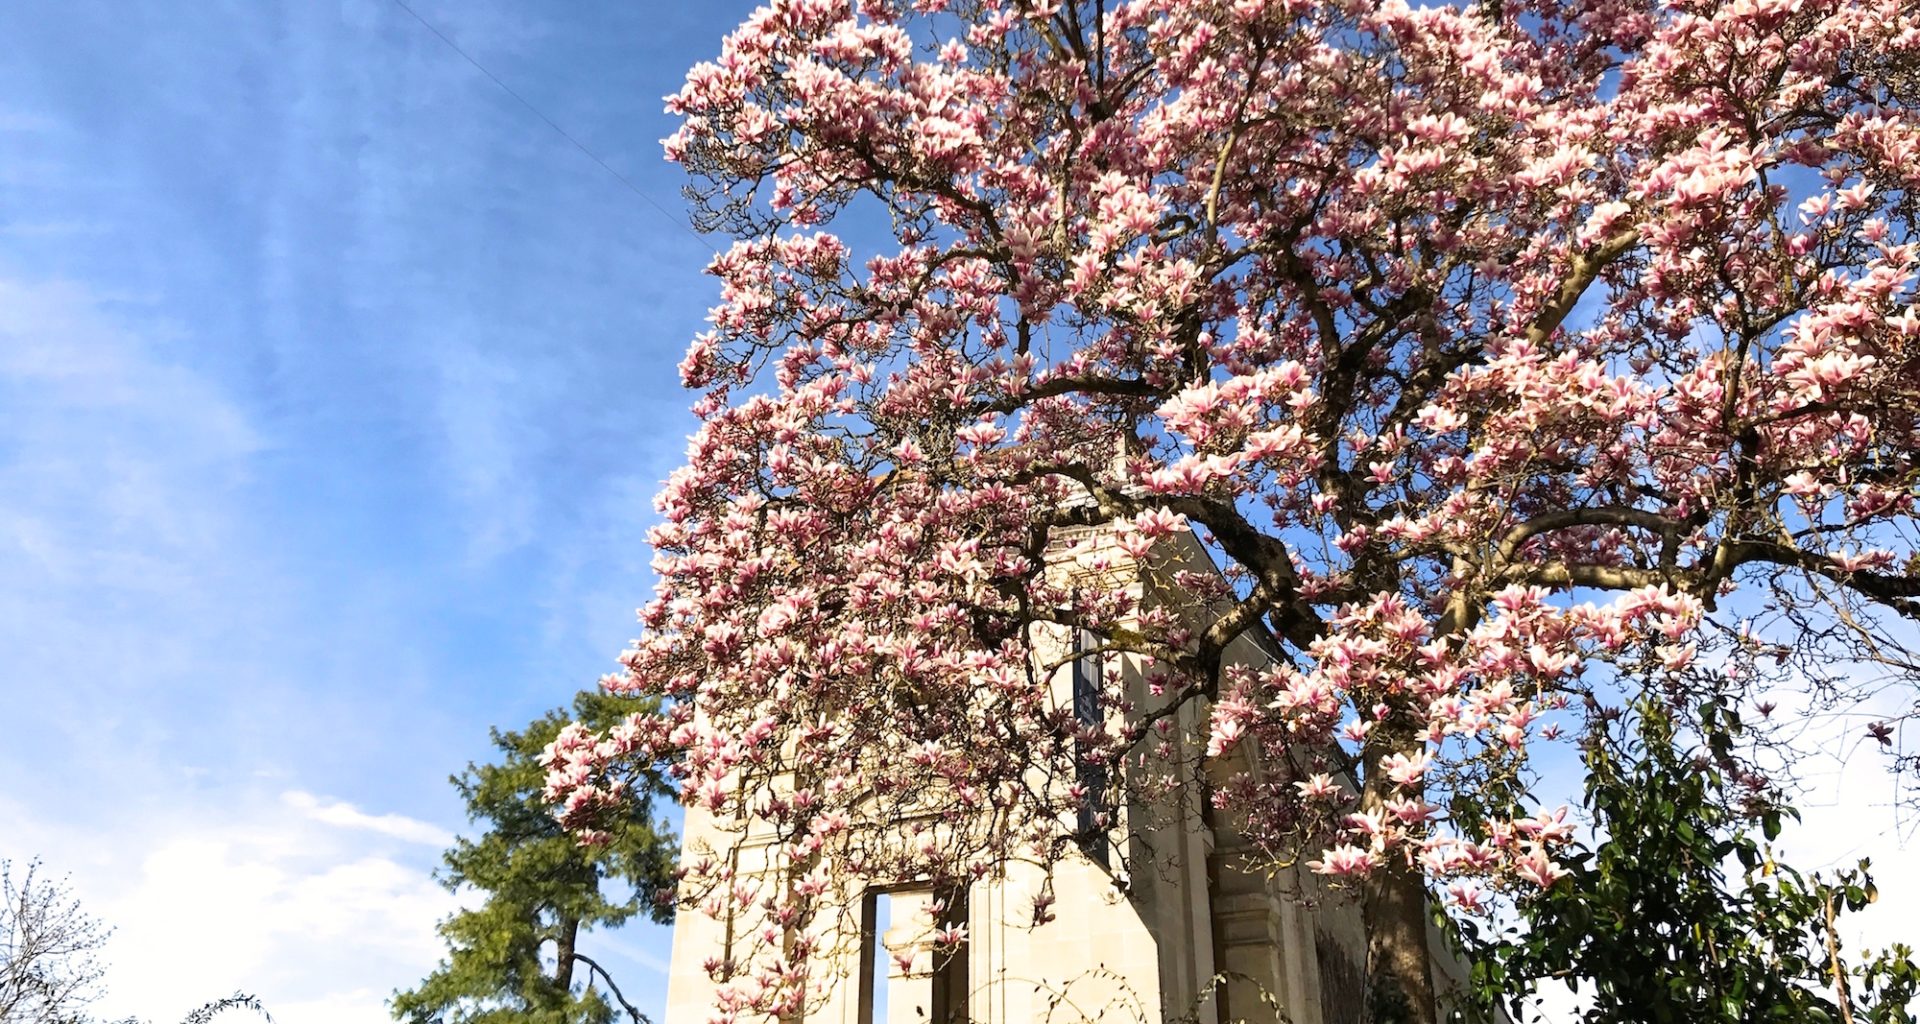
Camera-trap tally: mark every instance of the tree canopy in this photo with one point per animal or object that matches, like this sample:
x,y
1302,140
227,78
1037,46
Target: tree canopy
x,y
1676,909
1489,349
50,968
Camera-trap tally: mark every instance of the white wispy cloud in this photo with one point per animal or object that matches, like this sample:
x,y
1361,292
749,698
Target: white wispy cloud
x,y
344,815
1852,807
23,121
144,682
320,916
121,537
491,439
109,441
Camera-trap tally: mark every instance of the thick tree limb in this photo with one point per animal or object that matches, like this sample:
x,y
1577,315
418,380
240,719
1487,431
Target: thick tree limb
x,y
1586,269
1652,522
1899,593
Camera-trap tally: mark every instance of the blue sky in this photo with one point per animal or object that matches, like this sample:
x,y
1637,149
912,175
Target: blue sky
x,y
334,389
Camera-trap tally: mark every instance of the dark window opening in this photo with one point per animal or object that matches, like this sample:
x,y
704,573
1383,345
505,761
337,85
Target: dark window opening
x,y
950,981
876,912
1088,672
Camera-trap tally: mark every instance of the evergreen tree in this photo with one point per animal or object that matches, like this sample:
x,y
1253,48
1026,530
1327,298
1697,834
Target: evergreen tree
x,y
515,957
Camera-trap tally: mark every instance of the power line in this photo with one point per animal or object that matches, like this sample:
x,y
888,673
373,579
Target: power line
x,y
562,132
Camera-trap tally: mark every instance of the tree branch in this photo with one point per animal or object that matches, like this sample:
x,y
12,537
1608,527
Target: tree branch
x,y
1615,515
1599,577
1586,269
1067,384
1901,594
638,1017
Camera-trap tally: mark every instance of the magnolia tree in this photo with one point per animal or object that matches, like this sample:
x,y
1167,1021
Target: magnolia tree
x,y
1494,352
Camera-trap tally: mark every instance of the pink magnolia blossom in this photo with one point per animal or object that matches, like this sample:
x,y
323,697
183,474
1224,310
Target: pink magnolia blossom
x,y
1406,770
1463,357
1536,867
1345,860
1317,787
1467,896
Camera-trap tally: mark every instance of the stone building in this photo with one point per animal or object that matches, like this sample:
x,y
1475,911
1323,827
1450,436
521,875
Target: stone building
x,y
1180,924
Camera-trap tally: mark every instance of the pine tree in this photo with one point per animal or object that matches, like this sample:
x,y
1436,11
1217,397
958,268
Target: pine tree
x,y
516,956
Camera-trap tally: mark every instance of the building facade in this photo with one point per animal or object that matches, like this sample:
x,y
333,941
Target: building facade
x,y
1172,919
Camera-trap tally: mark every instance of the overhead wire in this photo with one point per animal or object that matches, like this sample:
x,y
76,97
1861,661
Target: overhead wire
x,y
550,123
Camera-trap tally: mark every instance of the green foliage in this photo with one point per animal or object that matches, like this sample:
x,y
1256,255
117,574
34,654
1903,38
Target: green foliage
x,y
542,888
1649,922
214,1008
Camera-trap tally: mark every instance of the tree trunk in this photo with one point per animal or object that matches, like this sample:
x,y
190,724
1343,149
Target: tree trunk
x,y
568,934
1399,964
